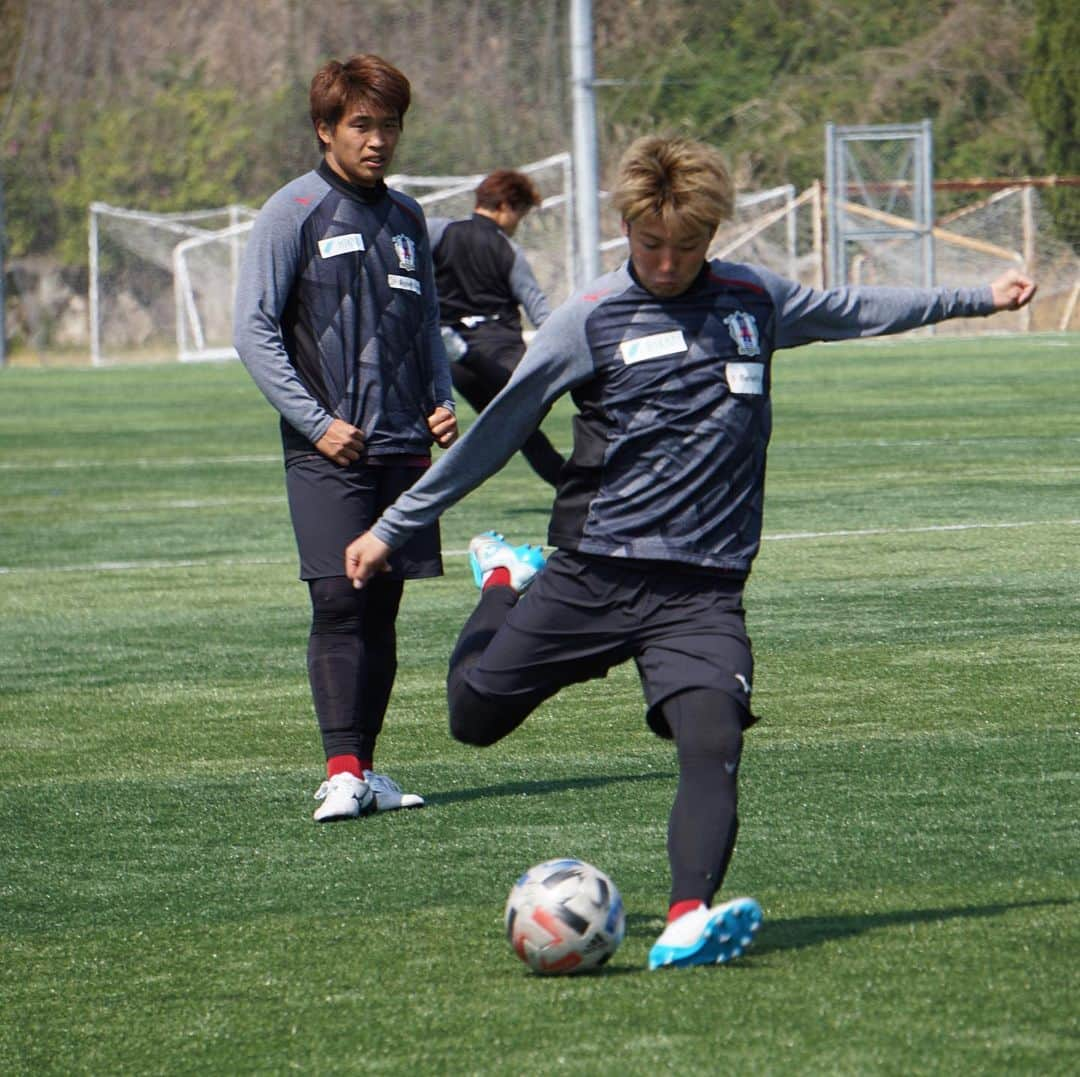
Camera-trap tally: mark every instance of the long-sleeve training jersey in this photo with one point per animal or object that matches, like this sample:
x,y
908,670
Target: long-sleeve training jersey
x,y
337,314
674,415
481,273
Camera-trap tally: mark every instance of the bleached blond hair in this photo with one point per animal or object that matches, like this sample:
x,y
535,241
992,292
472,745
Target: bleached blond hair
x,y
685,183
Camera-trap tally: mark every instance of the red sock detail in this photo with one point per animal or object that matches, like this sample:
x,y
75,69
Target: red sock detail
x,y
681,908
343,764
497,577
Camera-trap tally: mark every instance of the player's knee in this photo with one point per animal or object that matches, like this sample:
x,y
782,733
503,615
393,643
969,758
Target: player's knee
x,y
470,720
476,720
336,606
707,725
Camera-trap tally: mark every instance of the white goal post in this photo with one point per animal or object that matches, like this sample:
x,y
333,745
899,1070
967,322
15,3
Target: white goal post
x,y
162,284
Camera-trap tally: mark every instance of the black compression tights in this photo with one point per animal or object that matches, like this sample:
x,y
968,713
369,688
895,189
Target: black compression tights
x,y
352,660
704,819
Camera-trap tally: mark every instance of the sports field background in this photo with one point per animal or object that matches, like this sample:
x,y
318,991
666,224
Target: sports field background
x,y
909,801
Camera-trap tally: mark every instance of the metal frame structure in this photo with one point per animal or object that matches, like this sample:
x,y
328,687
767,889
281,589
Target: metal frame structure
x,y
853,212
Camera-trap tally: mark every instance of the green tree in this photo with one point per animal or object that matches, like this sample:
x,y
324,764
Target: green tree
x,y
186,147
1053,93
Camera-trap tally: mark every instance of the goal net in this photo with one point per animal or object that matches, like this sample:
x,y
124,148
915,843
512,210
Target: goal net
x,y
162,284
546,234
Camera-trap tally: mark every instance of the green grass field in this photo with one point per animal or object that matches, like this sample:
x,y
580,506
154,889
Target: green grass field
x,y
909,801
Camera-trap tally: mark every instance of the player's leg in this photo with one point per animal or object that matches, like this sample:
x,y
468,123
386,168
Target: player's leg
x,y
697,670
350,688
475,718
513,655
471,385
337,669
378,632
538,451
487,367
707,727
349,714
502,572
708,731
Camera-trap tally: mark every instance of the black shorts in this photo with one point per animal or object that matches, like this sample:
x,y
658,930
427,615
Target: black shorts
x,y
331,505
583,615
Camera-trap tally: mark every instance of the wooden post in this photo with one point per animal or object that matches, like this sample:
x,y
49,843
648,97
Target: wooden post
x,y
1028,202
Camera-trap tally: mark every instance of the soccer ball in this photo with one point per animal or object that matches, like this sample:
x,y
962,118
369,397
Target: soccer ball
x,y
564,916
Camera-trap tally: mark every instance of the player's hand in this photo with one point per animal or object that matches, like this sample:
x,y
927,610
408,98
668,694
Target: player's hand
x,y
342,443
366,556
1012,290
442,423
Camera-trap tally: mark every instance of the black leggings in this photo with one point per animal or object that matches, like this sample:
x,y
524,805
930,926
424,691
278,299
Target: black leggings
x,y
707,725
484,371
352,660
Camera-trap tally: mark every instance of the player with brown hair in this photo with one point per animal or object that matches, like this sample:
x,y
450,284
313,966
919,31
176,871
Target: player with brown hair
x,y
337,322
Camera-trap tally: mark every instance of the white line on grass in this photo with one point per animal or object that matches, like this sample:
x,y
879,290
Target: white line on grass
x,y
141,462
792,536
927,529
173,462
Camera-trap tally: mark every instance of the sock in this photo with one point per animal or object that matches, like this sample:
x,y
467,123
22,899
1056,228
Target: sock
x,y
497,577
681,908
344,764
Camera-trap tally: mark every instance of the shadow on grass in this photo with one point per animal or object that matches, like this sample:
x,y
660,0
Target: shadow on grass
x,y
536,788
802,932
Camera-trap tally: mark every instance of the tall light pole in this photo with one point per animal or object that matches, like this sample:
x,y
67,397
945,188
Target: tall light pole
x,y
3,270
586,156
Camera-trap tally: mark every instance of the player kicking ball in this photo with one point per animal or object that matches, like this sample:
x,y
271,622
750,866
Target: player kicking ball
x,y
658,513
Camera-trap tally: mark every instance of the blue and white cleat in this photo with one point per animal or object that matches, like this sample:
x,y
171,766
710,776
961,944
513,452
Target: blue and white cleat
x,y
490,551
707,936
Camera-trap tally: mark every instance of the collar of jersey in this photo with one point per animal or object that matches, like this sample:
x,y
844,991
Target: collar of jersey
x,y
695,285
353,190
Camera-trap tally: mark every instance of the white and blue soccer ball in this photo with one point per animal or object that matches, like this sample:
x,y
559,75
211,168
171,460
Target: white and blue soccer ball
x,y
564,916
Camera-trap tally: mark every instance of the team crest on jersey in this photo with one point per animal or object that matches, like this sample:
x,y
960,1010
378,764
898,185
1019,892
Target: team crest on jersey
x,y
743,330
405,249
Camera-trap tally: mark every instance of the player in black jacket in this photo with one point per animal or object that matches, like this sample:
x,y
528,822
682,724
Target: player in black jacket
x,y
483,278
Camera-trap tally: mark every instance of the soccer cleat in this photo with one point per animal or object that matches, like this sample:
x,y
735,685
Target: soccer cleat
x,y
490,551
707,936
344,796
388,794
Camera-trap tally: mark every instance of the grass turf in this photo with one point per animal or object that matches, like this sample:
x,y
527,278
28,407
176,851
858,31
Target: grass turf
x,y
908,802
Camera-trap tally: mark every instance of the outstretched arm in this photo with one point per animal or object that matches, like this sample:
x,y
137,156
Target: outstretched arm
x,y
558,359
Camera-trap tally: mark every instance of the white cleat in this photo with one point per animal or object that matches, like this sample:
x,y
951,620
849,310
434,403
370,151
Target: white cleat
x,y
344,796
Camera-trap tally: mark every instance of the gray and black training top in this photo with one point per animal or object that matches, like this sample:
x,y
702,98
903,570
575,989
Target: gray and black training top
x,y
674,415
481,273
337,314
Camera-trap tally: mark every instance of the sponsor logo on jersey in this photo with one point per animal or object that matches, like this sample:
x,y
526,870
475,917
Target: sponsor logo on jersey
x,y
405,249
743,330
332,246
746,379
404,284
654,347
